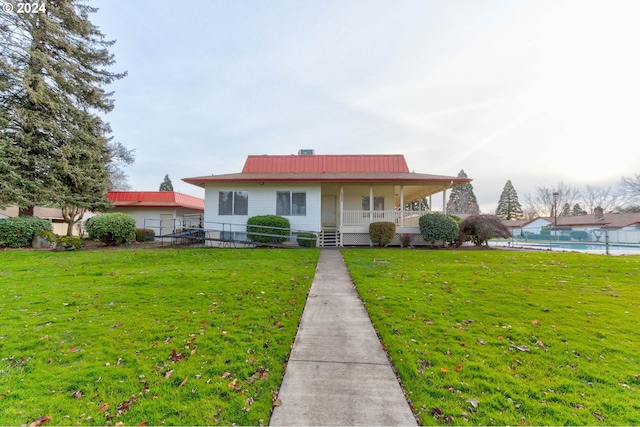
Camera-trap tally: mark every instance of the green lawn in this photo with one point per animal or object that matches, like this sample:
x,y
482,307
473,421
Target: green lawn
x,y
499,337
176,337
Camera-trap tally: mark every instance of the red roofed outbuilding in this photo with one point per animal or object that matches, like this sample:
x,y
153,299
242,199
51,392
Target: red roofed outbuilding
x,y
151,209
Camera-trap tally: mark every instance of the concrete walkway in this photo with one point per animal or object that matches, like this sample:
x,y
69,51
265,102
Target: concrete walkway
x,y
338,373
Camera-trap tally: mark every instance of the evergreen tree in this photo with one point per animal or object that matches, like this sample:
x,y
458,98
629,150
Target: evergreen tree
x,y
54,148
508,206
566,210
462,199
418,205
577,210
166,185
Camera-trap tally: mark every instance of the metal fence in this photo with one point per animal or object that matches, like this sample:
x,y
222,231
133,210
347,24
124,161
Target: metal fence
x,y
194,231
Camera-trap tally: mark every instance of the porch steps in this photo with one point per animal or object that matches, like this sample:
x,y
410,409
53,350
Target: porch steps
x,y
330,237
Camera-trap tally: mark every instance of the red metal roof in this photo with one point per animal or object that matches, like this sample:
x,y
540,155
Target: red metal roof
x,y
156,199
327,163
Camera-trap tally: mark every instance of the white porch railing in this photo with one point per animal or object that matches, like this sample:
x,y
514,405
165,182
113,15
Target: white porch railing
x,y
400,218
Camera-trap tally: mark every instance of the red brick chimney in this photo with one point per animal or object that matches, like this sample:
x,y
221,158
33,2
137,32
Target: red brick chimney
x,y
599,213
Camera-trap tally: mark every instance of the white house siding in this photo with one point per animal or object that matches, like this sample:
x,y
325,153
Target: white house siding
x,y
151,215
262,201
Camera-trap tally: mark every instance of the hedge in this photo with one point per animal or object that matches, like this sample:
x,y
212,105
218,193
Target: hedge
x,y
19,232
273,225
436,227
112,228
382,233
145,235
307,240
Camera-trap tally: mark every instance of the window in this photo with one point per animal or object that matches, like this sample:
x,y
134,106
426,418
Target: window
x,y
233,203
378,203
291,203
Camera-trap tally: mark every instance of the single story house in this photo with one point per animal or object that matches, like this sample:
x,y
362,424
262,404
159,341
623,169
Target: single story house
x,y
335,196
54,215
161,211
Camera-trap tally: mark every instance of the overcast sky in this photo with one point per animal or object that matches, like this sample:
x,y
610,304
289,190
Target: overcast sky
x,y
535,92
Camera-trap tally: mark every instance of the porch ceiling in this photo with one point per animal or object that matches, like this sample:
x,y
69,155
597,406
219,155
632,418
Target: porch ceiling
x,y
417,192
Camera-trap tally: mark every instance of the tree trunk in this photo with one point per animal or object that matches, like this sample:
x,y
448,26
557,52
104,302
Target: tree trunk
x,y
28,211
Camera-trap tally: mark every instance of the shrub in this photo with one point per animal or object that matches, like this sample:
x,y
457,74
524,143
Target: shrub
x,y
273,225
382,233
480,229
145,235
112,228
70,243
436,227
579,235
19,232
308,240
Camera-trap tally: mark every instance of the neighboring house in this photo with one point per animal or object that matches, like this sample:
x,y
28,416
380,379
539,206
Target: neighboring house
x,y
54,215
161,211
337,196
622,227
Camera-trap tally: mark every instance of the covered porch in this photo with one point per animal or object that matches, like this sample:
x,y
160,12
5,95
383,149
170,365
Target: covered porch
x,y
347,209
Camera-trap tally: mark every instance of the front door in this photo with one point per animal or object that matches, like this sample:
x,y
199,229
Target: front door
x,y
328,210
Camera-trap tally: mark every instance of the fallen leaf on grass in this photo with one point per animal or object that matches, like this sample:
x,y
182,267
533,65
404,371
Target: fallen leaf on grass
x,y
598,416
175,356
481,341
122,407
74,349
627,386
40,421
540,343
168,374
260,373
103,407
117,325
474,402
277,402
457,368
77,394
523,348
443,370
437,412
184,381
233,384
500,337
535,322
226,375
144,423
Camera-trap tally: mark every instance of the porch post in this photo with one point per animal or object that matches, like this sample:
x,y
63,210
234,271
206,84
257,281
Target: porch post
x,y
430,203
370,202
444,202
370,207
341,205
402,206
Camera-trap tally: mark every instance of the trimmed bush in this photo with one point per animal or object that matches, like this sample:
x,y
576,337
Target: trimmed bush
x,y
382,233
438,227
69,243
579,235
112,228
480,229
307,240
145,235
19,232
272,225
